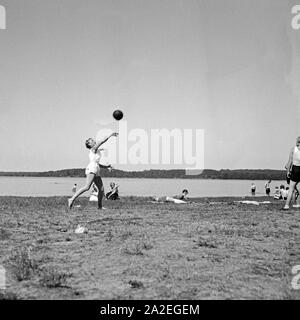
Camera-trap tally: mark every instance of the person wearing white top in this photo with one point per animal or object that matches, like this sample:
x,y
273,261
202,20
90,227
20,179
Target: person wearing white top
x,y
284,193
93,170
293,173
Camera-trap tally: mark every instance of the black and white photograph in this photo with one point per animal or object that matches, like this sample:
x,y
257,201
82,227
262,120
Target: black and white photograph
x,y
149,150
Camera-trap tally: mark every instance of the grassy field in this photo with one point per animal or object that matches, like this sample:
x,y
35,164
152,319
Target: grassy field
x,y
211,249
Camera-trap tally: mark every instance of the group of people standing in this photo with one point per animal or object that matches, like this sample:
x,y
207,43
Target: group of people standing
x,y
267,188
280,193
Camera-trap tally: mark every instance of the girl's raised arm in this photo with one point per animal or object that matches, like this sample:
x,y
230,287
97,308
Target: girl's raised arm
x,y
100,143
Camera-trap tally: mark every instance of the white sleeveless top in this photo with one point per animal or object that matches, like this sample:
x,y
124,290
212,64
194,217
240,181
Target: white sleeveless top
x,y
93,166
95,156
296,157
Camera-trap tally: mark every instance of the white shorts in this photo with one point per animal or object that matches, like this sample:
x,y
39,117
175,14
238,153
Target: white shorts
x,y
94,168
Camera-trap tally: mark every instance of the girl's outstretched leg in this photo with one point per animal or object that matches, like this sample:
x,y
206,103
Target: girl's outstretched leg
x,y
89,180
98,182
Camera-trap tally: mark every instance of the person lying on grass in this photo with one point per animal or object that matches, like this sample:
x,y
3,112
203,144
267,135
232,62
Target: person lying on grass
x,y
183,195
178,199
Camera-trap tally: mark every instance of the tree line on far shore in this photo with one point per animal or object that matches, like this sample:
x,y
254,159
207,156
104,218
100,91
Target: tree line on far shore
x,y
242,174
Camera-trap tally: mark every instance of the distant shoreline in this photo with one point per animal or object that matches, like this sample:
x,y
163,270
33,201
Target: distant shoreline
x,y
207,174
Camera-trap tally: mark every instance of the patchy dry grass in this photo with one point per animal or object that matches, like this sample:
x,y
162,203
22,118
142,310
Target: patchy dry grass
x,y
53,278
21,263
211,249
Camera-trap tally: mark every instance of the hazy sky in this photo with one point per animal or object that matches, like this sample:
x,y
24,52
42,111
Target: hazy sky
x,y
231,67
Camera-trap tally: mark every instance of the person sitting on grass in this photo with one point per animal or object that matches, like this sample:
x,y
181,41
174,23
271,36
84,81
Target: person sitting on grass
x,y
113,194
286,192
94,193
282,192
277,193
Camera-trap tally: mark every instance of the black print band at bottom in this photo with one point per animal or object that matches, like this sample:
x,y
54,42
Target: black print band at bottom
x,y
135,309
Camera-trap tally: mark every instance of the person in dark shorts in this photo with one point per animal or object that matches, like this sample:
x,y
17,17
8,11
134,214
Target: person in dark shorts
x,y
253,189
268,188
293,174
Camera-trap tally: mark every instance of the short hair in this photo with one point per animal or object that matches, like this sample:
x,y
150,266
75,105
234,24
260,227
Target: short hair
x,y
185,191
87,143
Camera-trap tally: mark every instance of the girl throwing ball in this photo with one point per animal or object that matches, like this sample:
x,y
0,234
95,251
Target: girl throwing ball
x,y
93,170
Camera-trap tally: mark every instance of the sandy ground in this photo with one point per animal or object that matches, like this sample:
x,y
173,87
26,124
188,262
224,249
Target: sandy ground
x,y
211,249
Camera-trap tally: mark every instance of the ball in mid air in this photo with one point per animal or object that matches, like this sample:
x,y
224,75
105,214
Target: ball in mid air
x,y
118,114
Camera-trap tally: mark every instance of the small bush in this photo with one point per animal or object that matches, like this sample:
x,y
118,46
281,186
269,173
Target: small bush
x,y
146,244
136,284
132,248
53,278
205,243
108,236
22,263
4,234
164,271
126,234
8,296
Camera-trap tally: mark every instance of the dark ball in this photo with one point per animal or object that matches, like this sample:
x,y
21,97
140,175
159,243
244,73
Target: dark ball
x,y
118,114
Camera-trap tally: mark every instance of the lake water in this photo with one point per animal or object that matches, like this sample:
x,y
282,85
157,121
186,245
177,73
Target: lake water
x,y
36,187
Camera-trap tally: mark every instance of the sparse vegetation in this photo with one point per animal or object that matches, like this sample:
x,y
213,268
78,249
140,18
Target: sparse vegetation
x,y
6,295
200,242
53,278
4,234
132,248
22,264
136,284
213,249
